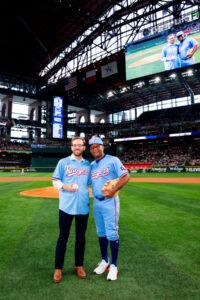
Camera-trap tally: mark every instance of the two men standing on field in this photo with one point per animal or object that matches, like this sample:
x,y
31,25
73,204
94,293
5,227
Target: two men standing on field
x,y
71,177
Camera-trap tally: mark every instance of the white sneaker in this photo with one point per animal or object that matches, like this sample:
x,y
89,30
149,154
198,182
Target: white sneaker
x,y
112,274
101,268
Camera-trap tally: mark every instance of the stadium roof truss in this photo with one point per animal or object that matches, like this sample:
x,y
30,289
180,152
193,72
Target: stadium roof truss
x,y
123,22
48,40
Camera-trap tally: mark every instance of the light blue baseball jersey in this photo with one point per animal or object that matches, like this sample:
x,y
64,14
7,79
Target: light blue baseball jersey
x,y
168,52
106,212
107,168
184,46
69,170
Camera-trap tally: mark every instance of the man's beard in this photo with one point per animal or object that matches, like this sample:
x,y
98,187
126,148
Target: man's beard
x,y
79,154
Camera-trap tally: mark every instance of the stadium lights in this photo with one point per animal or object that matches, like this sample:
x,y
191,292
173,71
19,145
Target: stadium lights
x,y
3,86
157,79
172,76
190,72
124,89
140,84
130,139
180,134
110,94
148,137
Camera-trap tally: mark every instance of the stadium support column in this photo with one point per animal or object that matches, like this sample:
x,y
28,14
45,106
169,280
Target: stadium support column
x,y
102,118
49,113
65,119
189,90
82,116
88,115
34,114
6,112
39,117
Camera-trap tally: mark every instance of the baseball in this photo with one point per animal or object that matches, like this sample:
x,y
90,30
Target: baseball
x,y
75,186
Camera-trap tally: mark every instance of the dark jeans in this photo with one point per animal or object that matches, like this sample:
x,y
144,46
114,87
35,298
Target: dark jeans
x,y
65,222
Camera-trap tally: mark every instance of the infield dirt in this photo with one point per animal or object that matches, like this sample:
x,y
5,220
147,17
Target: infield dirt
x,y
52,192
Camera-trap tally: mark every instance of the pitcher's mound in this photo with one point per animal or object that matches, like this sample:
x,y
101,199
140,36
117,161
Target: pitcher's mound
x,y
46,192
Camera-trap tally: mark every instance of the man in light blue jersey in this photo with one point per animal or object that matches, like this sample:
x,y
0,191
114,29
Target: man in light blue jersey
x,y
186,44
170,54
72,177
106,206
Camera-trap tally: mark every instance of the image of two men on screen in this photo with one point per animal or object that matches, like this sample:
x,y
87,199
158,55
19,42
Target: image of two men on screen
x,y
179,54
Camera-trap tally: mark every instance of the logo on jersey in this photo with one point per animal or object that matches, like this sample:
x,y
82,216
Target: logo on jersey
x,y
69,171
123,168
100,173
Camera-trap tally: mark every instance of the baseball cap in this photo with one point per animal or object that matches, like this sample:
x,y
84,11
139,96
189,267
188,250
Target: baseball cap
x,y
95,140
180,33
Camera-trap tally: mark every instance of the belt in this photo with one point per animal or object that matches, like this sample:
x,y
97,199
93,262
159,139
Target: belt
x,y
100,198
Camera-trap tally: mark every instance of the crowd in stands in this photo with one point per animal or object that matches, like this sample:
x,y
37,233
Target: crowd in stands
x,y
47,143
17,160
163,154
9,157
192,26
165,121
7,145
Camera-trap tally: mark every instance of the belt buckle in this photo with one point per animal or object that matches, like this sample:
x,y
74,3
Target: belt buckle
x,y
100,198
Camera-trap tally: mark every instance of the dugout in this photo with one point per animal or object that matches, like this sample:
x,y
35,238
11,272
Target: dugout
x,y
46,159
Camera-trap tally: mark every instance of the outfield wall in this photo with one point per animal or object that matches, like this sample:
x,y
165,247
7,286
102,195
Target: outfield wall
x,y
166,169
139,169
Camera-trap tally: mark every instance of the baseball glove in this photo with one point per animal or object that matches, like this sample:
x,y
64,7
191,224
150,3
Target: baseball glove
x,y
109,185
189,53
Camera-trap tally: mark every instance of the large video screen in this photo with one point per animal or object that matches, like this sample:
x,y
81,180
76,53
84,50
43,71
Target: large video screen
x,y
57,121
168,50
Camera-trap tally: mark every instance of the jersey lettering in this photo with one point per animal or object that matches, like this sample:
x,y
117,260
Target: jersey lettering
x,y
69,171
100,173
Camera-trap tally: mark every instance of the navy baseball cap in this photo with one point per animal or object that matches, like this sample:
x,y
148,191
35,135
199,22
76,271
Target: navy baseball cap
x,y
95,140
180,33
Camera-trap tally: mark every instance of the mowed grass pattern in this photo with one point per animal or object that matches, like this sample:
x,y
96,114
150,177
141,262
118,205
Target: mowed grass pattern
x,y
159,246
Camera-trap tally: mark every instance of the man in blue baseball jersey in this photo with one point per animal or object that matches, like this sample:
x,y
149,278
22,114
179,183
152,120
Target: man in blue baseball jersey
x,y
72,177
170,54
186,44
106,205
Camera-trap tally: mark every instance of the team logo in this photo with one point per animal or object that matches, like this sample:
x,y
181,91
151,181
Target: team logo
x,y
100,173
69,171
123,168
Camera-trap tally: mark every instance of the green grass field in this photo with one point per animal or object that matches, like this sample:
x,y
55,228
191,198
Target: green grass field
x,y
168,175
31,174
159,245
37,174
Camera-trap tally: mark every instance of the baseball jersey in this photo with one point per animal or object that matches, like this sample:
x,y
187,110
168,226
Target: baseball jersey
x,y
69,170
168,52
107,168
184,46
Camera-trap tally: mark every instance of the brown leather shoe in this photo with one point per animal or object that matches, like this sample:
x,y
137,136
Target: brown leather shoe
x,y
57,277
80,272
